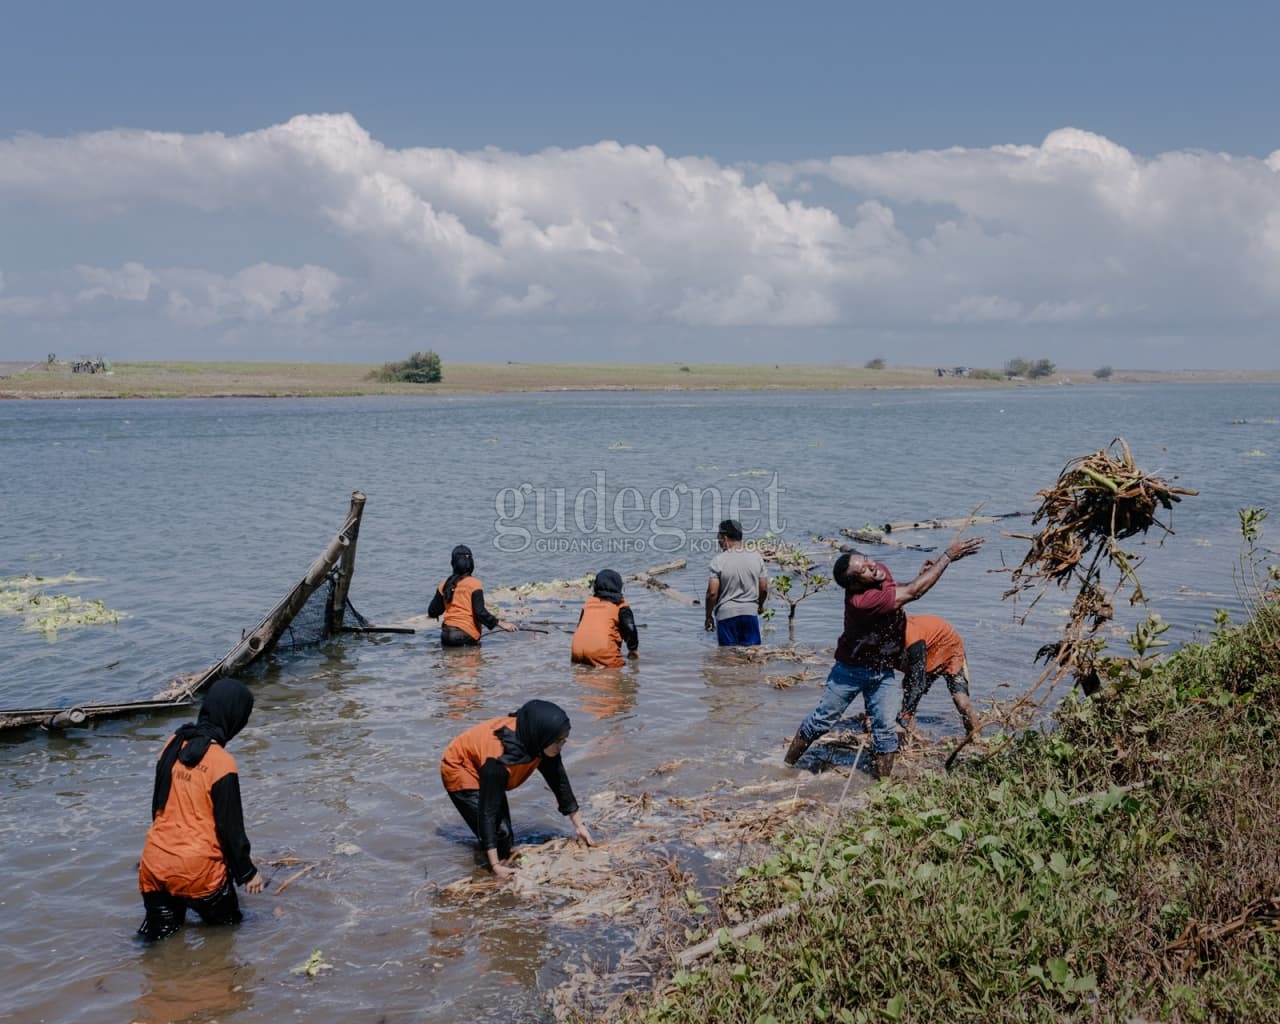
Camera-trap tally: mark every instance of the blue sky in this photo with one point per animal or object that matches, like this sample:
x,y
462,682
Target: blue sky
x,y
929,183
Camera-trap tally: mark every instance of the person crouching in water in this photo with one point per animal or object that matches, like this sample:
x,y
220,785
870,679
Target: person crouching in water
x,y
482,764
605,623
460,599
196,846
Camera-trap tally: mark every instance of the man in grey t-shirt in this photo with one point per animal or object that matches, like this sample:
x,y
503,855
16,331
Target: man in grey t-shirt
x,y
736,590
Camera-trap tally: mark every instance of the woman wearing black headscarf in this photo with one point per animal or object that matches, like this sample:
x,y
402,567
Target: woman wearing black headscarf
x,y
606,621
460,599
480,766
196,845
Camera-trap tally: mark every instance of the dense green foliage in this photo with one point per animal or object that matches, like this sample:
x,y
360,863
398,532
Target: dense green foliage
x,y
1099,869
419,368
1103,372
1032,371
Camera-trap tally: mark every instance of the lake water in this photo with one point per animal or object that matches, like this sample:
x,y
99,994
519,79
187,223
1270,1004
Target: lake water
x,y
193,517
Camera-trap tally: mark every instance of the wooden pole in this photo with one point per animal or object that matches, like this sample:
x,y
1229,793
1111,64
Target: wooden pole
x,y
346,567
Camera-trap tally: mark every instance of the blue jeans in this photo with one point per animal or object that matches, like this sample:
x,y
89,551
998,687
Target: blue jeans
x,y
881,694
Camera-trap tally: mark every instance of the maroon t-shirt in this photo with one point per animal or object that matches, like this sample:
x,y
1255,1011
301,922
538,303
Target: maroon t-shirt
x,y
874,629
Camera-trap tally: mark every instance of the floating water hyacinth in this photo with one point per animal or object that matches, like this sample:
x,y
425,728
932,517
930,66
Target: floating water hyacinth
x,y
45,612
313,965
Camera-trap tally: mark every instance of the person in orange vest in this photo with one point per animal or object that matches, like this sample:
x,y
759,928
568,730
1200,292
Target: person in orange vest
x,y
604,624
196,847
489,760
460,599
934,650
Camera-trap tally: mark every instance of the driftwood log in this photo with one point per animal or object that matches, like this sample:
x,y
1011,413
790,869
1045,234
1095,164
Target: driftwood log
x,y
866,536
649,579
947,524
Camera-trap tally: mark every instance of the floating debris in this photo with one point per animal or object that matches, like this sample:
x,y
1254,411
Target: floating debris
x,y
313,965
45,612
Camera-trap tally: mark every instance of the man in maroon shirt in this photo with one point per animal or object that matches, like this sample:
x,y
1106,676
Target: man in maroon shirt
x,y
870,647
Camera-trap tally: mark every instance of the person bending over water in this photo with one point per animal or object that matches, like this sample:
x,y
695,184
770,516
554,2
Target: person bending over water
x,y
489,760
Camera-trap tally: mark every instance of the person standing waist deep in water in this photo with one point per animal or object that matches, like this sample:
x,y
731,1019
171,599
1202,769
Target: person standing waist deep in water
x,y
460,599
736,590
196,846
604,624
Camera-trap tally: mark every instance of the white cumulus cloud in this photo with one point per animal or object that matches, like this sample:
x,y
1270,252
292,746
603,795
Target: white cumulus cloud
x,y
1074,234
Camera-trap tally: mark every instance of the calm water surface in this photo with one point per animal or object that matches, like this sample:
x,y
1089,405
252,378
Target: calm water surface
x,y
194,517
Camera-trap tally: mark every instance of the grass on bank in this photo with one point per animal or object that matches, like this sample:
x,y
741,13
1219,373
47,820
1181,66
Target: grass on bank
x,y
1121,865
305,379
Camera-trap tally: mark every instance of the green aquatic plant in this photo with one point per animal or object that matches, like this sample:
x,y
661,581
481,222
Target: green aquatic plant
x,y
313,965
44,612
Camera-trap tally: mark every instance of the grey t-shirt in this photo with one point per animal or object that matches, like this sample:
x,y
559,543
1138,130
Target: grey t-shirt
x,y
739,571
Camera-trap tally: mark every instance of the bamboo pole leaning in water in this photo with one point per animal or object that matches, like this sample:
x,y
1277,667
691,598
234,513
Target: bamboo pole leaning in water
x,y
346,567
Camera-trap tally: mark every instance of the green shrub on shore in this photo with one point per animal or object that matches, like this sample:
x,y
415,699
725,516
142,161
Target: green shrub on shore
x,y
419,368
1118,865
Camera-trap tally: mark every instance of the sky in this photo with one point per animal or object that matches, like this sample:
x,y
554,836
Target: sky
x,y
930,184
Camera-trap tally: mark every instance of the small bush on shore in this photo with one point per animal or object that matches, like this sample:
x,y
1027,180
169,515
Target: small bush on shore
x,y
419,368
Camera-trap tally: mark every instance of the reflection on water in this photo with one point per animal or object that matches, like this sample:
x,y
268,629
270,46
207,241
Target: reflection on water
x,y
460,693
193,982
340,763
607,692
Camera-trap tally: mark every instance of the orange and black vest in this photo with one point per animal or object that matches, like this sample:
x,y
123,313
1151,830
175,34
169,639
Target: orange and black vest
x,y
944,650
182,854
598,638
458,612
464,757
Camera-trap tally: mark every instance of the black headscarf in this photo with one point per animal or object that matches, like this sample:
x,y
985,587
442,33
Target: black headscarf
x,y
539,723
608,586
225,711
463,565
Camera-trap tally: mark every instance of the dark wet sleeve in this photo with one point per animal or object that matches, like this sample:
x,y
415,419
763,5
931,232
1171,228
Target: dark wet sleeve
x,y
552,769
627,627
483,616
228,818
436,608
493,785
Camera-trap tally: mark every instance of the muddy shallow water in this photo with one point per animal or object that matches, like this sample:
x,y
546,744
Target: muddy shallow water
x,y
193,517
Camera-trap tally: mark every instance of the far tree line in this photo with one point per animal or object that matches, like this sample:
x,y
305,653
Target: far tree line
x,y
425,368
1014,368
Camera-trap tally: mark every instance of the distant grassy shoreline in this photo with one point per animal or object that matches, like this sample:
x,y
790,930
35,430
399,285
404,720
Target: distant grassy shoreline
x,y
301,380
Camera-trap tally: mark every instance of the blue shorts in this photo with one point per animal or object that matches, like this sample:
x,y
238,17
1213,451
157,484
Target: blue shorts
x,y
739,631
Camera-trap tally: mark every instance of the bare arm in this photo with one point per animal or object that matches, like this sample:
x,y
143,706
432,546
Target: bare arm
x,y
713,595
933,570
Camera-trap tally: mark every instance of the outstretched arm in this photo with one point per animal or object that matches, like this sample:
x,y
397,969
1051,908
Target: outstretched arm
x,y
932,570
